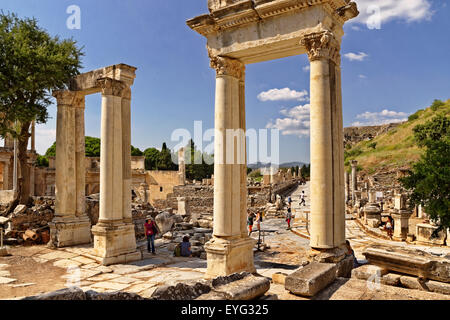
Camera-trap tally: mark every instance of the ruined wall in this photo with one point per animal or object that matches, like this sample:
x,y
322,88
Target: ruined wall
x,y
353,135
161,184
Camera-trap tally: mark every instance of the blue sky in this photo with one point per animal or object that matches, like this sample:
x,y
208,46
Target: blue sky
x,y
387,73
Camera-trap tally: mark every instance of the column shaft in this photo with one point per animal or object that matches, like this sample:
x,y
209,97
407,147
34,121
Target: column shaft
x,y
80,154
5,176
243,186
111,160
126,145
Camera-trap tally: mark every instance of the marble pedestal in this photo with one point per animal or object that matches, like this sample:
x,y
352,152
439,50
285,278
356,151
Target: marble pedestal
x,y
401,225
70,231
226,257
115,243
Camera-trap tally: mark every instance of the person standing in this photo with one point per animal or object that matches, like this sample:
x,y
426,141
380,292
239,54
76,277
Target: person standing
x,y
288,218
150,231
289,201
389,227
250,218
258,220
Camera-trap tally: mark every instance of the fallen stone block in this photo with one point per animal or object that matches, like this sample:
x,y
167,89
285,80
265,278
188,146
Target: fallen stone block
x,y
368,271
310,280
391,279
72,293
412,283
182,291
411,262
438,287
248,288
279,278
93,295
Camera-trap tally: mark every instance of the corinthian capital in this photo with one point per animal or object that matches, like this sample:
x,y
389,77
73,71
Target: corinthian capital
x,y
322,45
228,67
69,98
112,87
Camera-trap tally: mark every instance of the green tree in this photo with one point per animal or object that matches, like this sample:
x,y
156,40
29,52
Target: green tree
x,y
136,152
429,180
165,159
151,158
32,64
196,166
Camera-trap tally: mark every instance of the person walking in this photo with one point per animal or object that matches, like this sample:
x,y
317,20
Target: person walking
x,y
303,201
250,218
288,218
150,231
289,201
389,227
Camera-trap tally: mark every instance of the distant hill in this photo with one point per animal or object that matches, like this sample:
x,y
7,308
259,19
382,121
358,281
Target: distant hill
x,y
260,165
391,146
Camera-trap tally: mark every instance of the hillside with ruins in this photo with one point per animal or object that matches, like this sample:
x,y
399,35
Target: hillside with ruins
x,y
391,147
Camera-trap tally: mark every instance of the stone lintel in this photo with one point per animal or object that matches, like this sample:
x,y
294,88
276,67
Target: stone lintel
x,y
87,82
416,263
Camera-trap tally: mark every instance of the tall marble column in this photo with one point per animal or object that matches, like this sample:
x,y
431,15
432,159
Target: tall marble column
x,y
354,183
70,226
114,236
327,156
229,251
347,186
243,168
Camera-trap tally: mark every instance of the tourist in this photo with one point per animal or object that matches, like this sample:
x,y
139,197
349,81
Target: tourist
x,y
290,202
258,220
150,231
351,252
186,247
389,227
303,199
250,218
288,218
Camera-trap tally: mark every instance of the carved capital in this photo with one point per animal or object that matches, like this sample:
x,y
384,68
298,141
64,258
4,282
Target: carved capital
x,y
228,67
69,98
112,87
322,45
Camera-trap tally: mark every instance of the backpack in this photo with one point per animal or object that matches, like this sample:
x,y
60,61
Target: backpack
x,y
155,228
177,251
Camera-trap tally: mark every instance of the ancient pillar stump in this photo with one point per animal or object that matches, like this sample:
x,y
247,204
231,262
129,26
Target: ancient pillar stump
x,y
70,226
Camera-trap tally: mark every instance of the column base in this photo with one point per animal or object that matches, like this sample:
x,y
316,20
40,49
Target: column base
x,y
226,257
115,243
336,256
70,231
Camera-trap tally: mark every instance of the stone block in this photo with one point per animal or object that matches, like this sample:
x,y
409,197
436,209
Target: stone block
x,y
391,279
412,283
424,233
373,223
310,280
368,271
279,278
72,293
438,287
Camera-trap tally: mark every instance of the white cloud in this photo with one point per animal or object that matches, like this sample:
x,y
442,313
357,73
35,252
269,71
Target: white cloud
x,y
296,122
306,68
361,76
356,56
283,94
388,10
45,137
379,118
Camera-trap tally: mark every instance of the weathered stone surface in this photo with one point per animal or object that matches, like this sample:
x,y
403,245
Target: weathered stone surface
x,y
165,222
93,295
438,287
72,293
368,271
412,262
248,288
181,291
345,267
279,278
310,280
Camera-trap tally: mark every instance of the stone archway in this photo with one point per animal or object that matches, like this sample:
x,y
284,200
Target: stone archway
x,y
114,236
241,32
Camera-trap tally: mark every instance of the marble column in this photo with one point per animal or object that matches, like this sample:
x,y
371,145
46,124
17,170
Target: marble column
x,y
114,236
70,226
354,183
347,186
5,176
182,166
327,166
230,250
243,167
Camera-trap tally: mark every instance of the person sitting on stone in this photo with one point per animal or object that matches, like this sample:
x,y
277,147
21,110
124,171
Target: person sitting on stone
x,y
351,252
186,247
